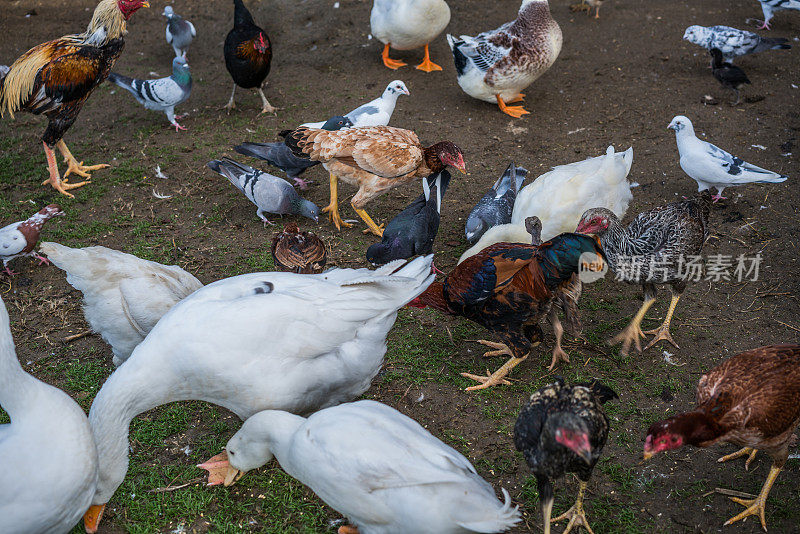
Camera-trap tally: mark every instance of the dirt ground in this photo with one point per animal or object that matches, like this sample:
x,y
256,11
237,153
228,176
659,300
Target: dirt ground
x,y
619,80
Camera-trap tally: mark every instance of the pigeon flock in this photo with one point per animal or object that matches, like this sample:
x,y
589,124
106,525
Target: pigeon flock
x,y
291,351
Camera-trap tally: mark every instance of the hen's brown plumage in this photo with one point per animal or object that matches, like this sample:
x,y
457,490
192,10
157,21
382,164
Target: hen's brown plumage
x,y
373,158
751,400
298,252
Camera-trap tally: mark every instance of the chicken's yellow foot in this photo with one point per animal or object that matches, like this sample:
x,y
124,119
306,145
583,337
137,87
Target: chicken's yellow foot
x,y
502,349
744,451
393,64
332,209
62,186
756,506
633,331
427,65
371,226
77,167
498,377
514,111
576,514
662,332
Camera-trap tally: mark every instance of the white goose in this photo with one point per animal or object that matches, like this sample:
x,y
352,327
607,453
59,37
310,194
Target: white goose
x,y
408,24
48,458
376,466
260,341
123,296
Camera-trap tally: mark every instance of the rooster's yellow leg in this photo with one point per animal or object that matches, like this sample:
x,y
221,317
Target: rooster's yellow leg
x,y
757,506
55,180
662,332
332,209
266,107
633,331
427,65
559,355
371,226
501,349
74,166
514,111
745,451
498,377
393,64
575,515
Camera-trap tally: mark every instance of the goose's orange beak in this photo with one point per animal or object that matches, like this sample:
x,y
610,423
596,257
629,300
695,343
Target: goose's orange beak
x,y
91,519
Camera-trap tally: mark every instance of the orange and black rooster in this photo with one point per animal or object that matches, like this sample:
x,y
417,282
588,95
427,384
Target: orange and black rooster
x,y
508,288
248,56
56,78
751,400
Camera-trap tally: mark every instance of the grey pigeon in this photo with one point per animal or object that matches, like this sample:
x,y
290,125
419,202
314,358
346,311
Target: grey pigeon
x,y
413,230
269,193
162,94
770,6
496,206
377,112
180,32
279,155
731,42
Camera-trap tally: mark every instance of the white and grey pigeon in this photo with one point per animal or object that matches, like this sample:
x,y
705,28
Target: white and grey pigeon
x,y
770,6
496,206
180,32
162,94
710,166
732,42
269,193
20,238
375,113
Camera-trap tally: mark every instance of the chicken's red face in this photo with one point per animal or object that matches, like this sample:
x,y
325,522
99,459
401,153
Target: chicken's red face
x,y
593,222
129,7
451,155
260,44
577,441
661,439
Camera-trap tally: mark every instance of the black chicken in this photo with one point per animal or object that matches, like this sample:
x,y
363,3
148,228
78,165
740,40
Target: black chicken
x,y
562,429
248,55
413,230
728,74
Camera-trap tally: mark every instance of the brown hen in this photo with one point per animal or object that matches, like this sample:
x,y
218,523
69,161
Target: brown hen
x,y
751,400
298,252
374,158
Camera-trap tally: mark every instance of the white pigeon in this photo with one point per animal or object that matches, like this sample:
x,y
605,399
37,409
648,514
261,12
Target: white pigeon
x,y
732,42
770,6
375,113
162,94
378,467
710,166
20,238
180,32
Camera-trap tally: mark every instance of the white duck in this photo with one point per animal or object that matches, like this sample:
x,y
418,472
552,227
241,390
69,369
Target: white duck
x,y
561,196
408,24
376,466
496,66
260,341
48,458
123,296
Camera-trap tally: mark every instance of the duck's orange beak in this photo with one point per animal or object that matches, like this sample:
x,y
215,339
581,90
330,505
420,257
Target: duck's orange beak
x,y
91,519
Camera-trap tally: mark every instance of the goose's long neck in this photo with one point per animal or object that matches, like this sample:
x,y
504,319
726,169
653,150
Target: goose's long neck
x,y
16,385
129,391
278,428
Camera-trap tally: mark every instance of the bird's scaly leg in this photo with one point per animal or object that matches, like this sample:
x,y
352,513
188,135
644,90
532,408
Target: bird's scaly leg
x,y
393,64
332,209
427,65
371,226
597,12
498,377
756,506
662,332
514,111
558,353
74,166
231,104
266,107
576,515
744,451
633,331
55,178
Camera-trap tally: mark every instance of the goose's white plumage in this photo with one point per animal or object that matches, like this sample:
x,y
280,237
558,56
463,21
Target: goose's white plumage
x,y
376,466
559,198
48,458
123,296
408,24
256,342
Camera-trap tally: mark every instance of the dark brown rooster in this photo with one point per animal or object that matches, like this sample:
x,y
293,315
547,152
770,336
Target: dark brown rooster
x,y
508,288
751,400
655,248
56,77
248,56
298,252
374,158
